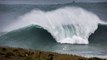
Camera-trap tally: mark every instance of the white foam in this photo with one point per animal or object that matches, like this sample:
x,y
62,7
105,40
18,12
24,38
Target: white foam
x,y
74,40
71,25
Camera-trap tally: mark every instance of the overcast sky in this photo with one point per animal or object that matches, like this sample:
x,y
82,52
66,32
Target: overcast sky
x,y
44,1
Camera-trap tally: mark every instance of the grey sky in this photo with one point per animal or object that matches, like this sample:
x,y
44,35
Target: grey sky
x,y
44,1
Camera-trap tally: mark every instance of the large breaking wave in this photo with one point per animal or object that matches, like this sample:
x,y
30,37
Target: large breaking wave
x,y
71,25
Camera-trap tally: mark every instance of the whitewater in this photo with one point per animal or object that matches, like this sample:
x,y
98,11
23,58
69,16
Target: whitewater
x,y
71,25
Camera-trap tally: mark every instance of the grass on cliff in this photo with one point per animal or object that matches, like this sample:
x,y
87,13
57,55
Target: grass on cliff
x,y
7,53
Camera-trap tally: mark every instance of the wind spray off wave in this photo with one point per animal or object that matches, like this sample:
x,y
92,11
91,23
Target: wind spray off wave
x,y
71,25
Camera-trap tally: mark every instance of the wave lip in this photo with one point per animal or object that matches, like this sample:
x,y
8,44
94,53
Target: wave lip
x,y
71,25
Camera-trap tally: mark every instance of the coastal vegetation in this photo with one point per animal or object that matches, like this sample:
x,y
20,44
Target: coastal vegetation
x,y
8,53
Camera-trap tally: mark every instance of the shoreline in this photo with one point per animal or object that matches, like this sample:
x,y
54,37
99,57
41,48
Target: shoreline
x,y
10,53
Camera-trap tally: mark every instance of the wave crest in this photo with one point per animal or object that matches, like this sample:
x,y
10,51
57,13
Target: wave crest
x,y
71,25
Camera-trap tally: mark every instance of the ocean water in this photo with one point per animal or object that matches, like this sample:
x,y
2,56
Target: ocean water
x,y
72,28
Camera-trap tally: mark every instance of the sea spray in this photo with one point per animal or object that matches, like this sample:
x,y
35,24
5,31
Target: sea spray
x,y
71,25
